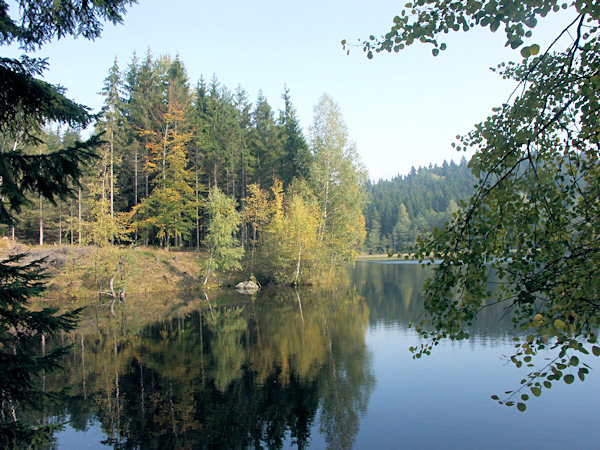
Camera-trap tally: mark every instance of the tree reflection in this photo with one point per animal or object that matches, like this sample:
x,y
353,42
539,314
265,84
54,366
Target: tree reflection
x,y
252,375
393,293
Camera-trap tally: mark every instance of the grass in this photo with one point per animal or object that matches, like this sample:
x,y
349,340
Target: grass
x,y
78,273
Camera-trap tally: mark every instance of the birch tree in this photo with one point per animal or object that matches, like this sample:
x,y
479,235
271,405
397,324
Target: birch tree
x,y
338,179
225,251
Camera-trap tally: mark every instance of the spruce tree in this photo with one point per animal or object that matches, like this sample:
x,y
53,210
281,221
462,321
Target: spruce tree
x,y
296,157
111,123
26,105
265,142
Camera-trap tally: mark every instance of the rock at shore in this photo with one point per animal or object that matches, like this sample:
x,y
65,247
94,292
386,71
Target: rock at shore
x,y
247,287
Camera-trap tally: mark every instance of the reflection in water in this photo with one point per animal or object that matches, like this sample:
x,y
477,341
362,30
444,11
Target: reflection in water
x,y
297,369
249,374
392,292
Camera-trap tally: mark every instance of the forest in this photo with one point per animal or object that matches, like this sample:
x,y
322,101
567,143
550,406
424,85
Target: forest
x,y
400,209
204,168
201,167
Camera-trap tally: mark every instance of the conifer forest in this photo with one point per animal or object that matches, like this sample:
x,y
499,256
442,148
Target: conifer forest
x,y
200,166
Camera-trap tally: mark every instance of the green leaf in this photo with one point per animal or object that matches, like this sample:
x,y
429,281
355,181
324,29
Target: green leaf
x,y
574,361
534,49
596,350
525,53
435,52
521,407
536,391
516,43
569,379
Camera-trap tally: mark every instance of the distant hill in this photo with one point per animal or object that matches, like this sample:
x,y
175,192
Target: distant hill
x,y
400,208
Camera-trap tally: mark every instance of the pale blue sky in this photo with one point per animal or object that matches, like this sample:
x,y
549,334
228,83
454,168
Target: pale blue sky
x,y
402,109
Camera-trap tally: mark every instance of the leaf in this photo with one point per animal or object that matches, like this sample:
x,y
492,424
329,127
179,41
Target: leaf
x,y
536,391
435,52
574,361
516,43
569,379
596,350
534,49
525,52
521,407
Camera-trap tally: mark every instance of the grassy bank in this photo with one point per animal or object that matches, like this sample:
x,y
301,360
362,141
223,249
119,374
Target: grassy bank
x,y
85,272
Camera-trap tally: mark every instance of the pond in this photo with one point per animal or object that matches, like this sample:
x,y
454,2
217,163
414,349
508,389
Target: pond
x,y
306,368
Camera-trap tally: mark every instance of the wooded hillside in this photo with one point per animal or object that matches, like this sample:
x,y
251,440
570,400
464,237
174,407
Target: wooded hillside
x,y
401,208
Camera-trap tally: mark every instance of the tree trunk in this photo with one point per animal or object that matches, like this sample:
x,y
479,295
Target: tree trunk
x,y
325,200
135,183
164,155
41,223
71,222
79,216
197,197
112,208
243,202
60,225
295,283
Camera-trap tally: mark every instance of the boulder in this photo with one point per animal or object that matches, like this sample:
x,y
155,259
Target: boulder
x,y
247,287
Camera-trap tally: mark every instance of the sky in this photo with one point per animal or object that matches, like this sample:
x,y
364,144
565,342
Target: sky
x,y
402,110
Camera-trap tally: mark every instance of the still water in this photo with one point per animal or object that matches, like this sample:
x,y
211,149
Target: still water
x,y
306,368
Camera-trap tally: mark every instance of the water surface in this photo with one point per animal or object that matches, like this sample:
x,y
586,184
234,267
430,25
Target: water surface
x,y
307,368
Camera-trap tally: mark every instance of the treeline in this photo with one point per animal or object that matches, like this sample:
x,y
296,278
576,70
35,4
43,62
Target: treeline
x,y
202,166
398,210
